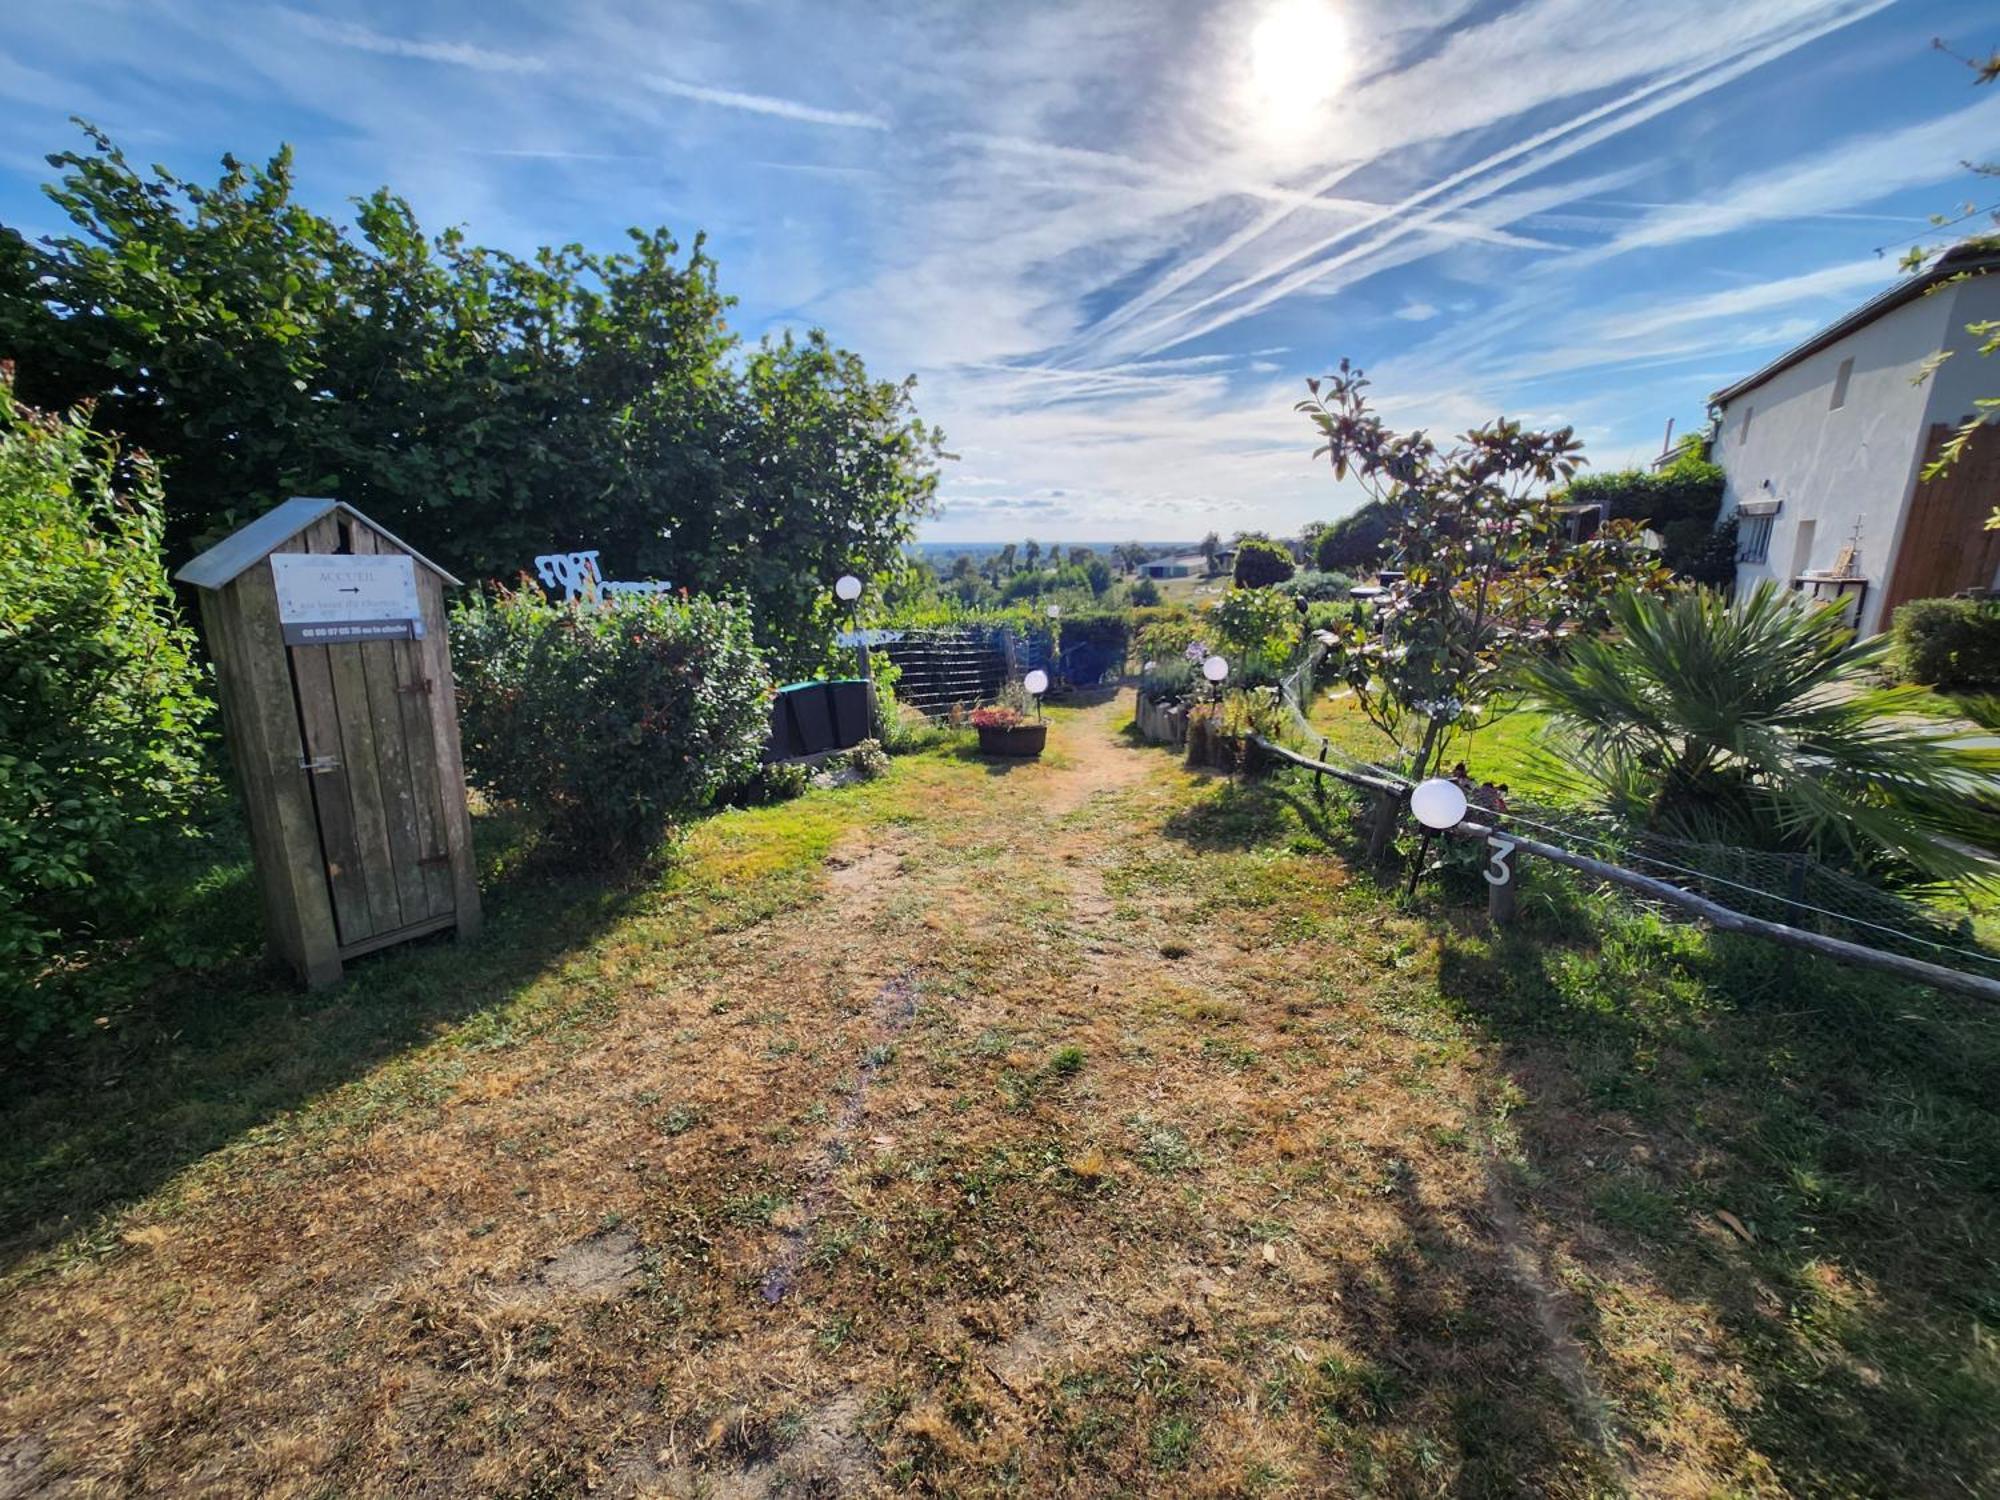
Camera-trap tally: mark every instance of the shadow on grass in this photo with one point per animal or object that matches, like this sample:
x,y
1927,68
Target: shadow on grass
x,y
1447,1351
1850,1124
216,1050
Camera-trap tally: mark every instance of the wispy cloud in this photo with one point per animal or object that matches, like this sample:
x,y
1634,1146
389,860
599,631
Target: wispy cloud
x,y
1855,171
768,104
458,54
1294,270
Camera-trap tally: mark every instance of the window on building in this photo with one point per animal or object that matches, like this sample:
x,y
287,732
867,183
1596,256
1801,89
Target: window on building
x,y
1754,519
1802,546
1840,379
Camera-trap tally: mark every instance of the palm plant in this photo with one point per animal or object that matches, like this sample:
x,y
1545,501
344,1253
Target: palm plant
x,y
1761,724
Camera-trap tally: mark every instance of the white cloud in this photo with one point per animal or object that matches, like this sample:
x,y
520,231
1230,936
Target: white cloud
x,y
458,54
1857,171
767,104
1417,312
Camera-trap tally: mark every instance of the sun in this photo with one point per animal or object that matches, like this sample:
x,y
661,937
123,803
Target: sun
x,y
1298,59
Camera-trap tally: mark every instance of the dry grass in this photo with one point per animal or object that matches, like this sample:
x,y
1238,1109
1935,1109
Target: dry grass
x,y
880,1149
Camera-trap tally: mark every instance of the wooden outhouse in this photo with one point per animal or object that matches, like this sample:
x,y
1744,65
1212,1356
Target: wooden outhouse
x,y
334,673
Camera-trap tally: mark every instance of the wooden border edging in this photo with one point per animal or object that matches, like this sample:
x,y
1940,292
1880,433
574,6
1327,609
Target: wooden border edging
x,y
1724,918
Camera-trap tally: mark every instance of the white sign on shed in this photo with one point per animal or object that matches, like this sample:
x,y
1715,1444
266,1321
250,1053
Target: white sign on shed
x,y
327,600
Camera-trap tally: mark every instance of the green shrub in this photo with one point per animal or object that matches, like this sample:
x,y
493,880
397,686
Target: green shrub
x,y
1680,502
1160,634
1316,587
1145,592
1949,642
618,723
102,713
1259,563
1257,624
1354,543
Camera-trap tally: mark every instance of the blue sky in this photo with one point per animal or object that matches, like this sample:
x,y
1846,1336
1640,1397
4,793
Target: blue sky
x,y
1112,239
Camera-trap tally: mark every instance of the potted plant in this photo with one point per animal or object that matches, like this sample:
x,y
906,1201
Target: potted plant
x,y
1005,730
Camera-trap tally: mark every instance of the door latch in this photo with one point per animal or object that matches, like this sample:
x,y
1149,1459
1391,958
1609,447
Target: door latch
x,y
319,765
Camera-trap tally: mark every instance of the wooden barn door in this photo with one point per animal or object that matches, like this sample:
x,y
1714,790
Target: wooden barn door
x,y
372,762
1945,546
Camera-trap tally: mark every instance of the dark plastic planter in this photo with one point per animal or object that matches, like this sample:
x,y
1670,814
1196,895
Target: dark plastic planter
x,y
1019,740
812,716
849,696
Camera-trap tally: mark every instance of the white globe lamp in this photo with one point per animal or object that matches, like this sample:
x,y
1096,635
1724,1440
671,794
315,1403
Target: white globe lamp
x,y
1036,682
1215,669
847,588
1438,803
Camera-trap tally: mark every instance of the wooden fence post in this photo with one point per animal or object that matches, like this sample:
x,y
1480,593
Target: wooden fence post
x,y
1503,880
1388,812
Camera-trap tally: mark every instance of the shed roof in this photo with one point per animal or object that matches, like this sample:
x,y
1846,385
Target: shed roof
x,y
226,560
1975,257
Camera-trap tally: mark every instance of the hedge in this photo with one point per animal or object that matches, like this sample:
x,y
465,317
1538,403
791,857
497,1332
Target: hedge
x,y
619,723
1949,642
103,717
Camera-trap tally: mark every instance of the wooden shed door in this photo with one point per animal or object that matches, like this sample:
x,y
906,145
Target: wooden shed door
x,y
1946,546
365,713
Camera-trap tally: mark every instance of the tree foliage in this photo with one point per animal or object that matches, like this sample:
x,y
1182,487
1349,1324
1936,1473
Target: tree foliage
x,y
1261,563
1680,503
1354,542
486,406
1489,582
1760,724
102,713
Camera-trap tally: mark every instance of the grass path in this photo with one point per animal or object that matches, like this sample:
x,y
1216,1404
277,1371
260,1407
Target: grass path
x,y
1053,1128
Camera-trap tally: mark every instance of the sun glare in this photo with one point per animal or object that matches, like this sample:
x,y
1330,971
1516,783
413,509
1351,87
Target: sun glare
x,y
1298,58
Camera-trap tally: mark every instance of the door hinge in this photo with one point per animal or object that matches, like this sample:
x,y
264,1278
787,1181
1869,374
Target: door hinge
x,y
319,765
435,859
421,685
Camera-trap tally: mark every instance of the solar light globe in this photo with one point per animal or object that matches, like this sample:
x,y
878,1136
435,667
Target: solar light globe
x,y
1036,682
1438,803
1215,669
1055,611
848,587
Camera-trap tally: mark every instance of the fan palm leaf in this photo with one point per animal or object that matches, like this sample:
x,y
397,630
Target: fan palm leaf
x,y
1762,718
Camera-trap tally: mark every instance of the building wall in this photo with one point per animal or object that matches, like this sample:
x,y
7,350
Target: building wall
x,y
1832,469
1967,375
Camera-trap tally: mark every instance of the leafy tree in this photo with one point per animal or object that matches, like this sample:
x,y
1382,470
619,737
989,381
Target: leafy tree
x,y
1261,563
1259,626
1354,542
1211,546
102,713
486,406
1680,503
1760,724
1489,582
1031,554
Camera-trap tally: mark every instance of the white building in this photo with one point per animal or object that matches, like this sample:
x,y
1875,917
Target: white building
x,y
1823,447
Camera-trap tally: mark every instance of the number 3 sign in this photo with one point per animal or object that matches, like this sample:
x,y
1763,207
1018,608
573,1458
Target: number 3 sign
x,y
1499,864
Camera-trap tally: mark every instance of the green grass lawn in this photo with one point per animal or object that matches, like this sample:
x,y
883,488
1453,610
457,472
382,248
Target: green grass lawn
x,y
1508,750
1110,1127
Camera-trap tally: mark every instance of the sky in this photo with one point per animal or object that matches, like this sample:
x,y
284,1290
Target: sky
x,y
1112,239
